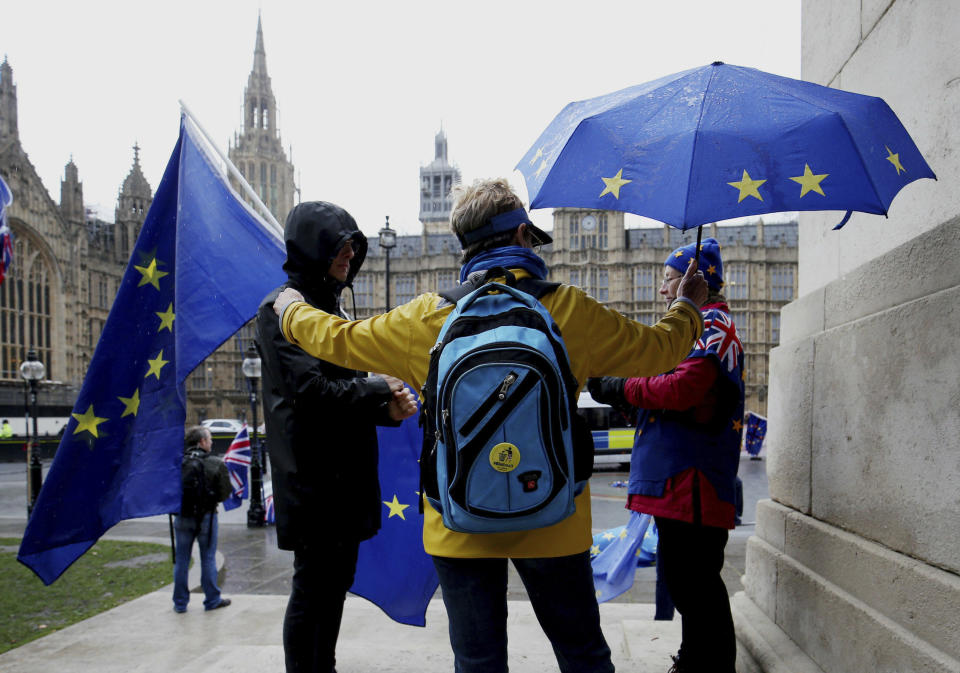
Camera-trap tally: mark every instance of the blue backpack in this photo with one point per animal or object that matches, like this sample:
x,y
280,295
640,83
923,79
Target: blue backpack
x,y
499,412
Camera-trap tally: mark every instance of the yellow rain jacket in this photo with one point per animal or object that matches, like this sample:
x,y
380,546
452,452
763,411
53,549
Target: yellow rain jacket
x,y
600,342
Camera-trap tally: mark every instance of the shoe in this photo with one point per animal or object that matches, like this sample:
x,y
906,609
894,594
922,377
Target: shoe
x,y
179,611
224,602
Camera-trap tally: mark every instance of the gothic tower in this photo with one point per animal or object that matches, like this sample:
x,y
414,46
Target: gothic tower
x,y
436,180
132,206
8,104
71,194
258,151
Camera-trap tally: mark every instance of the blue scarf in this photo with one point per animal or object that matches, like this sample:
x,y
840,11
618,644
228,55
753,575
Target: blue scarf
x,y
509,257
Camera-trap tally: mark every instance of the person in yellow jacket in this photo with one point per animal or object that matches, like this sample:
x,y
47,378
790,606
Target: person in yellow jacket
x,y
553,562
6,431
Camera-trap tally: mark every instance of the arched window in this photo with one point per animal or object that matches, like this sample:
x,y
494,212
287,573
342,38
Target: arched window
x,y
25,310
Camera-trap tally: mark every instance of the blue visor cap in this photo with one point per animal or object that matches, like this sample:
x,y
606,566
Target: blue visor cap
x,y
502,223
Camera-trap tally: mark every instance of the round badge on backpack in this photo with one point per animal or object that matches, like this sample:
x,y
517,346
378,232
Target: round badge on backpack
x,y
504,457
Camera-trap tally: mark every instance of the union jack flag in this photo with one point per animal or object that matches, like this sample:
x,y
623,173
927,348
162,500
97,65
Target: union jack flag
x,y
237,459
720,336
269,514
6,236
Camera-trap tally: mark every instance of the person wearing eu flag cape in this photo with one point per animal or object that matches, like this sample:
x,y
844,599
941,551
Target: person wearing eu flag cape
x,y
321,434
684,463
553,561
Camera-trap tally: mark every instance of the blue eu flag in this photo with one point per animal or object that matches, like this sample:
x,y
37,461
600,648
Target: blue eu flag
x,y
393,570
201,265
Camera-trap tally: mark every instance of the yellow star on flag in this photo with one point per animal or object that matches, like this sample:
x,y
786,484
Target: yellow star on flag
x,y
131,404
810,182
536,156
623,534
608,535
166,318
747,187
594,549
156,365
737,425
396,509
150,274
87,421
614,184
895,160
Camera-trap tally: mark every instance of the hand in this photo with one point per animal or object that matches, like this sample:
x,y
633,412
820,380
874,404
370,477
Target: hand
x,y
403,405
607,390
693,286
285,298
396,385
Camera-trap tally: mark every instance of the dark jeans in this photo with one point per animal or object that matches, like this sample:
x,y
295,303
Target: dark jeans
x,y
691,560
321,577
562,595
204,532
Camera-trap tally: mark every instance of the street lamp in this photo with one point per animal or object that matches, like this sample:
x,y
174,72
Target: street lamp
x,y
388,241
255,514
32,370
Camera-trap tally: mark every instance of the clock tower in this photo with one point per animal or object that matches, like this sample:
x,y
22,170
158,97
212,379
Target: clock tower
x,y
584,229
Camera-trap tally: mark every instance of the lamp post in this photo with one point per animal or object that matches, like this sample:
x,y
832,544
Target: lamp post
x,y
32,370
388,241
255,513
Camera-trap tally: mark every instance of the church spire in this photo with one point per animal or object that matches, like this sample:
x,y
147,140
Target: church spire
x,y
8,103
260,107
259,53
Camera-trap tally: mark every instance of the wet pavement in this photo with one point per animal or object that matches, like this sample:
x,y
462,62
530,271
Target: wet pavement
x,y
252,564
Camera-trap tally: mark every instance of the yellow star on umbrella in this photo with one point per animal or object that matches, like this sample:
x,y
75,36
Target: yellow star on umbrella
x,y
614,184
166,318
747,187
895,160
131,404
150,274
87,422
540,168
396,509
156,365
810,182
536,156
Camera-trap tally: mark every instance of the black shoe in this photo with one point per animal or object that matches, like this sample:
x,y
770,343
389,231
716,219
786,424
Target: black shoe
x,y
677,667
224,602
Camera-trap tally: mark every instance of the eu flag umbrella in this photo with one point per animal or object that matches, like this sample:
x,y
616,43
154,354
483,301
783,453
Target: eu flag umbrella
x,y
719,142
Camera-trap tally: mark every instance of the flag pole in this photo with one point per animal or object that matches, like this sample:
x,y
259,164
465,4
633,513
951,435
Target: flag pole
x,y
234,173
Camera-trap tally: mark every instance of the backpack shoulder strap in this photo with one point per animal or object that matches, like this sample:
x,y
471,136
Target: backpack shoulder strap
x,y
536,287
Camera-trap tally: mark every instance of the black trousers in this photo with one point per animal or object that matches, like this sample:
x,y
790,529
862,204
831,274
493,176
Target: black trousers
x,y
690,556
321,577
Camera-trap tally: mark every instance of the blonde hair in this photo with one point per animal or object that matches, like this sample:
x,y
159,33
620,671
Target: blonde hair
x,y
475,204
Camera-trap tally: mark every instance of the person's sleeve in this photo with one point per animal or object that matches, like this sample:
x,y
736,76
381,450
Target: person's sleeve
x,y
614,345
685,387
379,344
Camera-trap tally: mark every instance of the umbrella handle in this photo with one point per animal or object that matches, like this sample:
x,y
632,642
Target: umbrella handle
x,y
696,254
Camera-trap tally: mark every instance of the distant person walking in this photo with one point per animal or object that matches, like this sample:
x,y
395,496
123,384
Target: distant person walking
x,y
206,483
6,432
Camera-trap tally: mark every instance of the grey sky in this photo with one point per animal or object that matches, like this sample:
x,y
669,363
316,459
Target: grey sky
x,y
362,88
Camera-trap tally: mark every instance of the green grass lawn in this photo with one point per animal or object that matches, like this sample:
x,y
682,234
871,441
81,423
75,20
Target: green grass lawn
x,y
29,610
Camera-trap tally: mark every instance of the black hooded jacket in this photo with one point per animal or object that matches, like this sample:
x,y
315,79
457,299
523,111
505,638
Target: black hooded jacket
x,y
320,418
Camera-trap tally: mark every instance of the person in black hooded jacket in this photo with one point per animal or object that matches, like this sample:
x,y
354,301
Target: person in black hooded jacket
x,y
321,437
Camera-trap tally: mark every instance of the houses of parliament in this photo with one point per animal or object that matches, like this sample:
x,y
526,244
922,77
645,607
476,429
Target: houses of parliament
x,y
68,264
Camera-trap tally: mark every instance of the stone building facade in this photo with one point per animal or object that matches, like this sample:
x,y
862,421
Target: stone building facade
x,y
66,270
855,563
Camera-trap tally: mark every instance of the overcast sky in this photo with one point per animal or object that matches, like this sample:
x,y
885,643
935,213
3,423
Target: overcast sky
x,y
361,87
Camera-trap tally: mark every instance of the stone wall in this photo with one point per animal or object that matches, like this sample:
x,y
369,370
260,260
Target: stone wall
x,y
855,565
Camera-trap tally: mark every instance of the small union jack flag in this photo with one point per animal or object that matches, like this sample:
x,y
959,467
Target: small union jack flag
x,y
6,236
269,514
237,459
720,336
